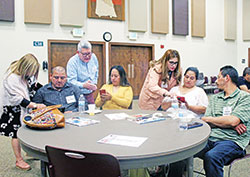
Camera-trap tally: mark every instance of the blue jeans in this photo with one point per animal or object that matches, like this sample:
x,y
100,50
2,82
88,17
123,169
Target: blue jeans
x,y
217,154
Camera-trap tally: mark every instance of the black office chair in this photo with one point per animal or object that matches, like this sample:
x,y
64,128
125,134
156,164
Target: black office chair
x,y
67,163
131,105
200,81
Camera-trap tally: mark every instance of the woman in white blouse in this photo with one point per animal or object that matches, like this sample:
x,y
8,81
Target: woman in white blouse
x,y
196,99
15,99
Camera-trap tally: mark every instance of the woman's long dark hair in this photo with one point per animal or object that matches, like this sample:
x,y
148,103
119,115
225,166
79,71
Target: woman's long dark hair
x,y
122,73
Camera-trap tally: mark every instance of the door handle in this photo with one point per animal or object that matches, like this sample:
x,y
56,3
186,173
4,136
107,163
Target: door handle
x,y
133,70
128,70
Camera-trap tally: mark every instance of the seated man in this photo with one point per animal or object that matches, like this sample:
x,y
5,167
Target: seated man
x,y
59,91
228,114
244,81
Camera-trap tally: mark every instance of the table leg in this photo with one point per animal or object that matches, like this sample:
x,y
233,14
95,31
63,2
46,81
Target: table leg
x,y
190,165
44,166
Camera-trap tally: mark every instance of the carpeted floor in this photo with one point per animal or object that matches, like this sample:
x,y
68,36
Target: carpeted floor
x,y
7,164
8,169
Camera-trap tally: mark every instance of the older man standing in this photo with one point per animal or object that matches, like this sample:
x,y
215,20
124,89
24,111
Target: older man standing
x,y
59,91
82,70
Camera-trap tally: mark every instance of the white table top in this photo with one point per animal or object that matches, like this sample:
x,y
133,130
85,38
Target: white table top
x,y
165,143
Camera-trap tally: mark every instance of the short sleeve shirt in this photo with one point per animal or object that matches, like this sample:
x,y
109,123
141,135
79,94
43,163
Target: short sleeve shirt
x,y
238,102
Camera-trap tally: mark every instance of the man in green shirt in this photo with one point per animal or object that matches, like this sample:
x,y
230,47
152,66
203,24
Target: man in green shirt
x,y
228,114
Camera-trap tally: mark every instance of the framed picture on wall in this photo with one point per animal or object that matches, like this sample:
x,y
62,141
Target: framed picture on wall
x,y
7,10
107,9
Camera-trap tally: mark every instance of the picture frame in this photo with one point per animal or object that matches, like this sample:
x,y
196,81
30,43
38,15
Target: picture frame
x,y
7,10
107,9
180,17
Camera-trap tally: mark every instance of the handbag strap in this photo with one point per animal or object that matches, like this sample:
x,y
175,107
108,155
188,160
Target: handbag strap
x,y
47,109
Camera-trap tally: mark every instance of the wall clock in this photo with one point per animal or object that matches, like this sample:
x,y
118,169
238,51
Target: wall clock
x,y
107,36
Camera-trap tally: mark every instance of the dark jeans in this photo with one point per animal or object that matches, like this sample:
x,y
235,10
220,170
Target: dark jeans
x,y
215,156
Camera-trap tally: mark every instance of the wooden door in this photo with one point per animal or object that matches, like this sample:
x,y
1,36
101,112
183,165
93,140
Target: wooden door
x,y
134,58
60,51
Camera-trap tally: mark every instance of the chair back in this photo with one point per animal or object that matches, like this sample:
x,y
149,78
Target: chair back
x,y
200,81
205,80
131,105
67,163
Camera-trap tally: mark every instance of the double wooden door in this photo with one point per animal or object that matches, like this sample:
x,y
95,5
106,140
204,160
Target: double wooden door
x,y
134,58
60,51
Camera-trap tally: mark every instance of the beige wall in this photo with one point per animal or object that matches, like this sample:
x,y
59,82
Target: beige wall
x,y
208,53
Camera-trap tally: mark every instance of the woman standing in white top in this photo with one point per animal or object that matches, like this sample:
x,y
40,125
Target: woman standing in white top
x,y
196,99
15,100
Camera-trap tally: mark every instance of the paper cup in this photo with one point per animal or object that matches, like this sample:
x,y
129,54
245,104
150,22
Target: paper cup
x,y
91,108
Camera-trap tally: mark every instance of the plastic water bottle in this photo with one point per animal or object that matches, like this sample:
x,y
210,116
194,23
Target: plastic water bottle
x,y
81,104
182,110
183,124
175,107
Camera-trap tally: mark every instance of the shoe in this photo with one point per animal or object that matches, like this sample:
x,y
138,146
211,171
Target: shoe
x,y
21,164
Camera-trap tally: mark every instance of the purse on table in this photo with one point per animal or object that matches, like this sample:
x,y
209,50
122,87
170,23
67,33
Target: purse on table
x,y
45,118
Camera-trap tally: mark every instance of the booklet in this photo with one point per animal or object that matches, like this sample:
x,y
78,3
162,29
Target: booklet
x,y
131,141
81,121
117,116
146,118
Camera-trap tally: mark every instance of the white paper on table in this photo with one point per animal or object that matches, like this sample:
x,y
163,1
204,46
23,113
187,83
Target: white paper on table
x,y
117,116
131,141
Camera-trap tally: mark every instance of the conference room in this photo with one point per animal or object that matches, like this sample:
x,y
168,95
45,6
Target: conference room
x,y
207,35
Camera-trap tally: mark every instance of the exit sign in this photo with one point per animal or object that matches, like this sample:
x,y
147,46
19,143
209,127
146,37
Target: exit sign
x,y
37,43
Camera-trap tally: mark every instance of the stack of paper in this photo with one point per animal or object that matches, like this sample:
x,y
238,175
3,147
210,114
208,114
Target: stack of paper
x,y
117,116
131,141
146,118
81,121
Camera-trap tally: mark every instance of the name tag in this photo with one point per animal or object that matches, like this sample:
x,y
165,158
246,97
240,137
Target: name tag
x,y
227,111
70,99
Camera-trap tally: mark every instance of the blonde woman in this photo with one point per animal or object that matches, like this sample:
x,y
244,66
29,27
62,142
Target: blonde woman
x,y
163,75
16,99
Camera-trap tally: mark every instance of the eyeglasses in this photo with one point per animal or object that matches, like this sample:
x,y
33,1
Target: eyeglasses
x,y
173,63
190,77
61,77
85,54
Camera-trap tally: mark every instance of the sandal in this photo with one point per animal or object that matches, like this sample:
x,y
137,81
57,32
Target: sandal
x,y
21,164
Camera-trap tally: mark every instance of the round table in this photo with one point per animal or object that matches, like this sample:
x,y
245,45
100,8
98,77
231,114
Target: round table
x,y
165,143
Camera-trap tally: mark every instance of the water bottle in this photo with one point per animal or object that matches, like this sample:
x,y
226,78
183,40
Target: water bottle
x,y
182,110
183,124
175,107
81,104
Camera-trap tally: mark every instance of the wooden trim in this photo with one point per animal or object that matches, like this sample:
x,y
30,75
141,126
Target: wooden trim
x,y
131,44
104,57
51,41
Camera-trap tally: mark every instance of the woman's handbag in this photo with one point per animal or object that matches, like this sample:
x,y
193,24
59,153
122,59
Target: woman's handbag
x,y
45,118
